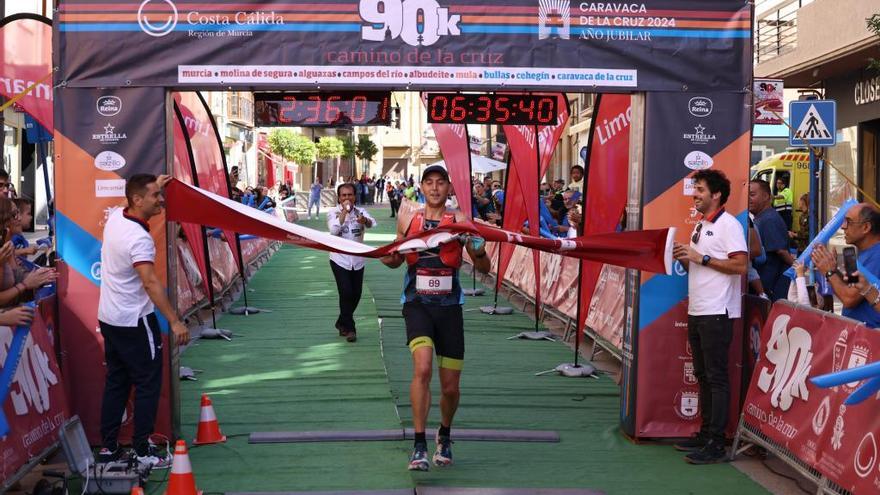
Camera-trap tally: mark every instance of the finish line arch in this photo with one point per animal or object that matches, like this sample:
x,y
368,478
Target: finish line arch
x,y
688,65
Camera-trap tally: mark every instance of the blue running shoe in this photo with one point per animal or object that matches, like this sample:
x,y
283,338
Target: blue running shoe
x,y
443,454
418,461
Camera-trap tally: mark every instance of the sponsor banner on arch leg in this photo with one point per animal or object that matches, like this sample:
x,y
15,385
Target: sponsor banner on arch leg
x,y
842,442
686,132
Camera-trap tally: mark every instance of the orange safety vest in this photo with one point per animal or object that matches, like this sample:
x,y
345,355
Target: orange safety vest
x,y
450,253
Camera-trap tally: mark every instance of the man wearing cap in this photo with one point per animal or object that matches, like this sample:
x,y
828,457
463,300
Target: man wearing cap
x,y
432,300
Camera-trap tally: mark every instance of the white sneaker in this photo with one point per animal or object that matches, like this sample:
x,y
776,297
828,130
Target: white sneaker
x,y
155,462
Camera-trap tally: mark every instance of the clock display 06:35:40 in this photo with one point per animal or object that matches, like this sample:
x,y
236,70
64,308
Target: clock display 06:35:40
x,y
525,109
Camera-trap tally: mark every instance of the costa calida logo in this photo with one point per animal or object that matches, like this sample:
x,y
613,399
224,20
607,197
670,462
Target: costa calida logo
x,y
157,10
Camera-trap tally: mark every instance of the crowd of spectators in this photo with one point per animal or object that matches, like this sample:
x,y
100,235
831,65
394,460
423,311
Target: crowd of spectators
x,y
775,248
24,277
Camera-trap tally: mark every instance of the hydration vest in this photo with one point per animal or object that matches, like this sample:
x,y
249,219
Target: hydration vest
x,y
450,253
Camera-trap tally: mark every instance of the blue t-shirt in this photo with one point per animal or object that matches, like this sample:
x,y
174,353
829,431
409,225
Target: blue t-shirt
x,y
774,237
870,259
316,190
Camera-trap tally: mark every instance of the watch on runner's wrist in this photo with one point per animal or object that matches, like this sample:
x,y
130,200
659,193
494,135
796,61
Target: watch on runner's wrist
x,y
706,260
832,272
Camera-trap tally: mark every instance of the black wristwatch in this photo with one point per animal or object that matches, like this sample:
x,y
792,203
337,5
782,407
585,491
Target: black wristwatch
x,y
831,273
706,260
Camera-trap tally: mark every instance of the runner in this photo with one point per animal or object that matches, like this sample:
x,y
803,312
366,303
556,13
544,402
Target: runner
x,y
432,300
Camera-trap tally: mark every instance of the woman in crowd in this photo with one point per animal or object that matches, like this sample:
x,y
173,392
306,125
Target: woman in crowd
x,y
18,283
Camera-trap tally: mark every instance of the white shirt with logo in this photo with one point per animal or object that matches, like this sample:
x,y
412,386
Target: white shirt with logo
x,y
711,292
123,300
351,230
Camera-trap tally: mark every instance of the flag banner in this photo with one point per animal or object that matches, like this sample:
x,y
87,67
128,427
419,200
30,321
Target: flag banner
x,y
26,41
183,171
527,165
207,151
607,178
654,45
643,250
453,141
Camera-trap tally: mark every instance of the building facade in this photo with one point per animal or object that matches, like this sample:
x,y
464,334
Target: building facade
x,y
823,47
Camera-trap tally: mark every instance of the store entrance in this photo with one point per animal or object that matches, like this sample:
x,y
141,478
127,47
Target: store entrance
x,y
869,156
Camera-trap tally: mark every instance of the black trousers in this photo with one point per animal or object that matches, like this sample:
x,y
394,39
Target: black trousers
x,y
349,284
710,337
395,205
133,357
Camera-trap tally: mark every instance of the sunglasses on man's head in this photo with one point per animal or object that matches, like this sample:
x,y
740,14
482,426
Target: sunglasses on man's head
x,y
696,237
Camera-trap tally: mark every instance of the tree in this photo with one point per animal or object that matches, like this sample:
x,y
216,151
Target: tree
x,y
366,149
350,152
332,148
281,142
294,147
873,23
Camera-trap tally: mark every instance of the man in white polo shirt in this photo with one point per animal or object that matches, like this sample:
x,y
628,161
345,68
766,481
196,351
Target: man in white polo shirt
x,y
349,222
130,292
716,260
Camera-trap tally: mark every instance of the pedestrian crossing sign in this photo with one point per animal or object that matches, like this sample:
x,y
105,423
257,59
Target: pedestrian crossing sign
x,y
813,122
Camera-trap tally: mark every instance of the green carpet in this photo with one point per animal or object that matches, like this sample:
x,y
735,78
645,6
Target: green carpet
x,y
289,371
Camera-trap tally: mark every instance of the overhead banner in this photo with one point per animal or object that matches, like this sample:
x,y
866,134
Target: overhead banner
x,y
813,424
687,132
654,45
26,49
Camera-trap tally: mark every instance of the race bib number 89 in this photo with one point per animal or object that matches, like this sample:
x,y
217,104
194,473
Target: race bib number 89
x,y
433,281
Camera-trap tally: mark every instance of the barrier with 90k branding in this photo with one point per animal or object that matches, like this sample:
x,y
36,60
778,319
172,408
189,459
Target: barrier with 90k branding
x,y
36,406
808,425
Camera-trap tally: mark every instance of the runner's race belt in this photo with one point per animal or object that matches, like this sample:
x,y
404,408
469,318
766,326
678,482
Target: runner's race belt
x,y
434,281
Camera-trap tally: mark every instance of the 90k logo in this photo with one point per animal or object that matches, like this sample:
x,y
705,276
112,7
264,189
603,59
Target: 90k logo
x,y
416,22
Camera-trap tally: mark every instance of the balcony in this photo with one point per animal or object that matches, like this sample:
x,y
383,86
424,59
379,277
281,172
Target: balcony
x,y
807,41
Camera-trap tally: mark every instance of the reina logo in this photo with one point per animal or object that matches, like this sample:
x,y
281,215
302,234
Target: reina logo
x,y
109,106
550,10
157,30
700,106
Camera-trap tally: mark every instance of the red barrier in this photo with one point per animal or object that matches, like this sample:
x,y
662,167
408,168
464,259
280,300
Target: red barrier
x,y
36,405
839,441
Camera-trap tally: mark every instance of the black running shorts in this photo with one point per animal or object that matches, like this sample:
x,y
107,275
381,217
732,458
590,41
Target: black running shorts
x,y
440,327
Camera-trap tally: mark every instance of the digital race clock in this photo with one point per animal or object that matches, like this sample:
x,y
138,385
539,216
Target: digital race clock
x,y
327,109
515,109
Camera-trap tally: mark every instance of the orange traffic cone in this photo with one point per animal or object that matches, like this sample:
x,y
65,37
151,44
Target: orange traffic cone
x,y
209,428
137,491
181,481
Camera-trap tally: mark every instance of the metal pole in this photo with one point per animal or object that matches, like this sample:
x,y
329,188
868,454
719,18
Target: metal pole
x,y
814,187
